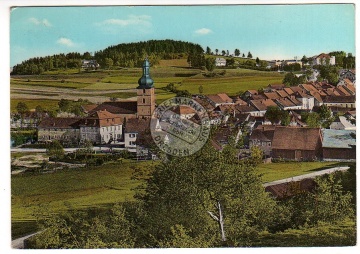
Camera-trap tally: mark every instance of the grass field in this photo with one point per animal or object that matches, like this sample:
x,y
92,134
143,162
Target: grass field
x,y
231,86
275,171
46,104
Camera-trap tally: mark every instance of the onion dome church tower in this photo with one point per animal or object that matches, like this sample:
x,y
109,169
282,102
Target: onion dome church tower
x,y
145,93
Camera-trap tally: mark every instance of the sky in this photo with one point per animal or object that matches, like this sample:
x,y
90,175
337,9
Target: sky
x,y
267,31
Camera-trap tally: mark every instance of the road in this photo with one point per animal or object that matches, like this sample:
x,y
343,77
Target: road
x,y
19,243
310,175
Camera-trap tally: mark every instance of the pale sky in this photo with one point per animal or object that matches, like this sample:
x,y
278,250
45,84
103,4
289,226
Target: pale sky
x,y
267,31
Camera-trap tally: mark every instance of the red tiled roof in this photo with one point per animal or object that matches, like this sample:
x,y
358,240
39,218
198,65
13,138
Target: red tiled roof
x,y
342,91
339,99
288,90
59,122
88,107
296,138
101,119
183,110
220,98
118,107
262,105
272,95
137,125
282,93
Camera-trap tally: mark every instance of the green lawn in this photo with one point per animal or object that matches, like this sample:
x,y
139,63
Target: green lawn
x,y
70,189
45,104
231,86
275,171
47,83
109,183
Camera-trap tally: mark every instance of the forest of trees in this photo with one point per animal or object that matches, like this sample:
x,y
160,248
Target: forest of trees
x,y
122,55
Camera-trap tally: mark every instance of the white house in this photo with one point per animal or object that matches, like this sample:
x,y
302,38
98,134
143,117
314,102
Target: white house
x,y
219,61
101,127
341,123
324,59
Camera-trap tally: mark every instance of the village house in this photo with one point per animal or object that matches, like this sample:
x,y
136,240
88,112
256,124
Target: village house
x,y
262,137
338,145
89,64
341,123
219,99
274,87
136,128
340,101
348,74
307,101
262,105
295,143
220,62
289,103
101,127
64,129
323,59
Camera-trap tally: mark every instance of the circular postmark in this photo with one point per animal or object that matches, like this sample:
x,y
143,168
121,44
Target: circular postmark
x,y
180,126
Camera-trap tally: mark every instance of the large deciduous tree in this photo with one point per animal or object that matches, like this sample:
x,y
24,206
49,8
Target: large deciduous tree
x,y
208,193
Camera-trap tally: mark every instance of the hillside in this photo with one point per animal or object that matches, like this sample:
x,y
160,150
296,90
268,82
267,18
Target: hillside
x,y
121,55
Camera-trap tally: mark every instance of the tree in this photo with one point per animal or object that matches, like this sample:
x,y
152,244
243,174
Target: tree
x,y
216,51
257,60
285,118
313,120
109,62
243,55
185,191
325,116
237,52
223,52
22,108
274,114
64,105
304,60
208,51
55,149
230,62
210,63
249,55
201,89
290,79
84,229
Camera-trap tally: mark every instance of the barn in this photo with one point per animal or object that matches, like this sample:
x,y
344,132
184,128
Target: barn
x,y
297,143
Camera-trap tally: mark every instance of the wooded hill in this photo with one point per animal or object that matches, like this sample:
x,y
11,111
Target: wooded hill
x,y
121,55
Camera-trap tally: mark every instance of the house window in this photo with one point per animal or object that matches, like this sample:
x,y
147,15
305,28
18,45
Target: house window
x,y
132,143
269,144
143,100
143,91
132,135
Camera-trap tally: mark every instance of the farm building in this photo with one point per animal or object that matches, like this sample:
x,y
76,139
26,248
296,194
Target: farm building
x,y
296,143
339,145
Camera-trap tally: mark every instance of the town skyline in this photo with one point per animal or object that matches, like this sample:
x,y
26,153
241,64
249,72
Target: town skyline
x,y
42,31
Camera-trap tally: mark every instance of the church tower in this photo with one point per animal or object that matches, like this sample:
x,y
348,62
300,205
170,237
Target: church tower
x,y
145,93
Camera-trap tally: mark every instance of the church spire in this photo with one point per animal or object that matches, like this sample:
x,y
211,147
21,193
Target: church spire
x,y
146,82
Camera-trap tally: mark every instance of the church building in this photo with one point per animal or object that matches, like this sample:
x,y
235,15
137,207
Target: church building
x,y
107,122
